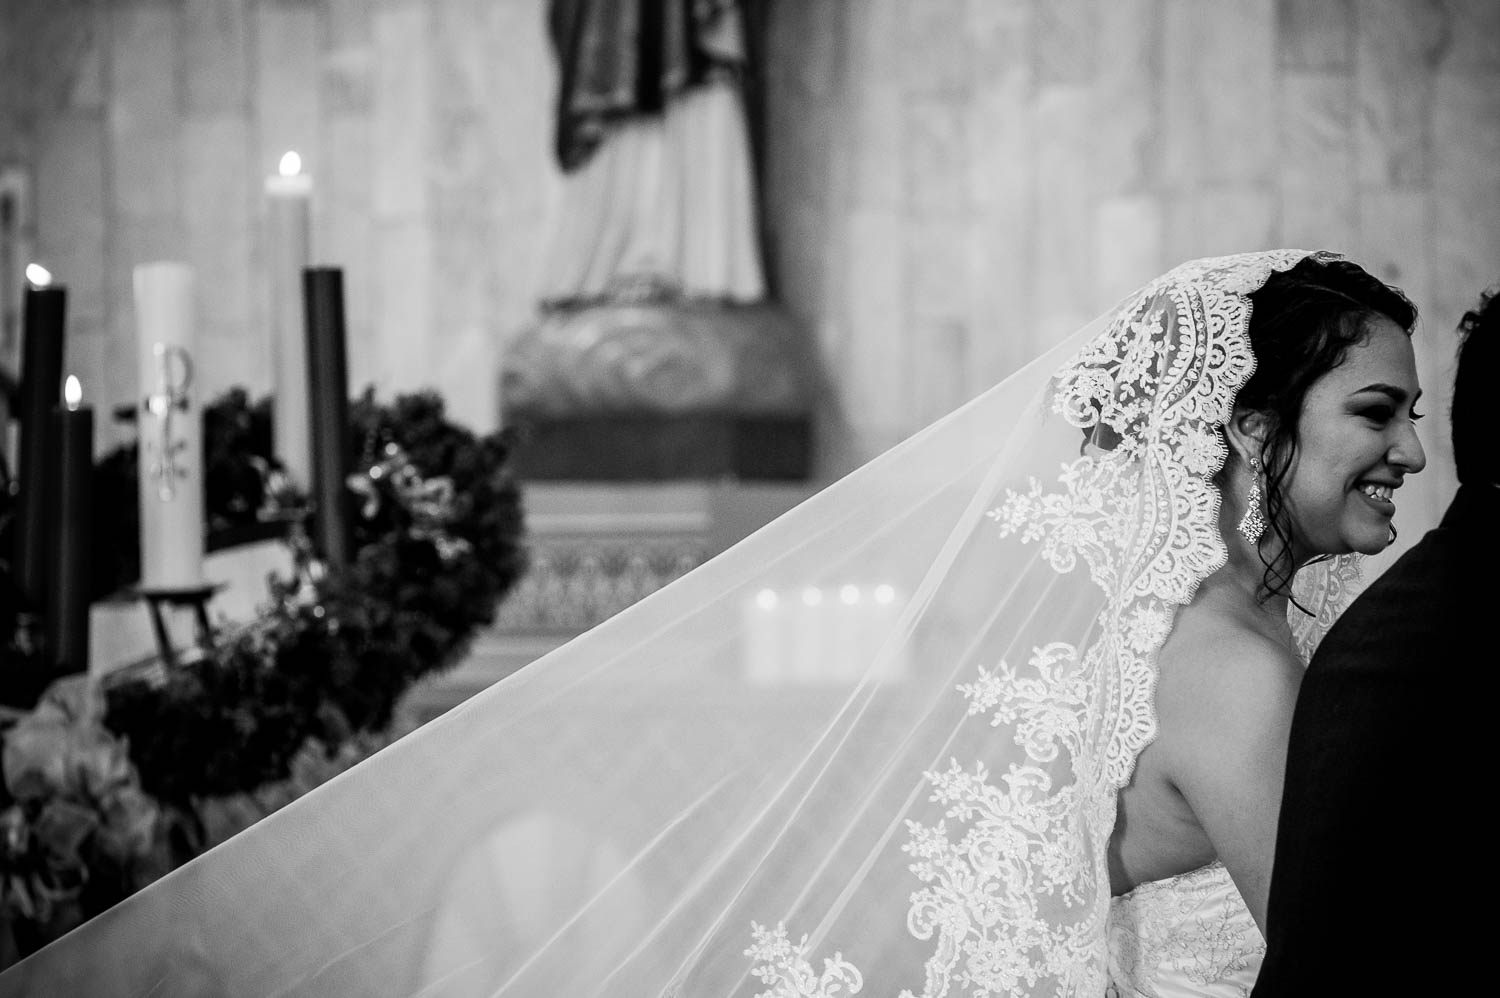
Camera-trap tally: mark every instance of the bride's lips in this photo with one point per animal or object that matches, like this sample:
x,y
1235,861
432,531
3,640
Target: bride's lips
x,y
1378,495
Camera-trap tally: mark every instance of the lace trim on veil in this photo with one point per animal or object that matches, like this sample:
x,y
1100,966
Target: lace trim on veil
x,y
1326,589
1019,898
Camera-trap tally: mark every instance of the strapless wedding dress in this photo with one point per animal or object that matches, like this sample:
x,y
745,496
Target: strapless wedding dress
x,y
1189,936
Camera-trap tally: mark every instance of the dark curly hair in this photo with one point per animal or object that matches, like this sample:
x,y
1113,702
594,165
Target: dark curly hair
x,y
1473,451
1302,323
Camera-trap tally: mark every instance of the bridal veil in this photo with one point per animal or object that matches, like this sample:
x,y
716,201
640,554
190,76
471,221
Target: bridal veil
x,y
874,748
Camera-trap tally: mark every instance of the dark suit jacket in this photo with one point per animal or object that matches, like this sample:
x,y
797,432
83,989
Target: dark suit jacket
x,y
1382,852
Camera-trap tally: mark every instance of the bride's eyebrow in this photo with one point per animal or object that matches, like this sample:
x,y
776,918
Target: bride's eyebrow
x,y
1396,393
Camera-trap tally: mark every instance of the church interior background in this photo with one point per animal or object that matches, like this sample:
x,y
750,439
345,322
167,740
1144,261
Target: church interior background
x,y
937,192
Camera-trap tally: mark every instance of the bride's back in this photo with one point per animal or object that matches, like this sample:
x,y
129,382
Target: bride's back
x,y
1207,788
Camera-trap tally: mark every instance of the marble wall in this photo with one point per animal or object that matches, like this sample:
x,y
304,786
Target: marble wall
x,y
950,185
147,127
954,184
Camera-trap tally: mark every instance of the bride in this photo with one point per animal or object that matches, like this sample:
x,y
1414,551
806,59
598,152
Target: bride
x,y
1319,438
998,714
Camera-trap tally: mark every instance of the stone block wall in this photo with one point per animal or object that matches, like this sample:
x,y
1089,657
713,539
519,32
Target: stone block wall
x,y
148,127
950,185
955,184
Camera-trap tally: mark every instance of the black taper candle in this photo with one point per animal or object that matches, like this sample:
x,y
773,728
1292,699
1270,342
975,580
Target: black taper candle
x,y
68,607
41,391
328,403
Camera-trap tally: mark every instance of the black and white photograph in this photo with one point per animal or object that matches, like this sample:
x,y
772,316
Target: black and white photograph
x,y
747,498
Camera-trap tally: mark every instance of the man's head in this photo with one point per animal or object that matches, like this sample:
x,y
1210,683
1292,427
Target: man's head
x,y
1474,450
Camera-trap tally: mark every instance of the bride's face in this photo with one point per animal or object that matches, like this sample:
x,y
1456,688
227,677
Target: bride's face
x,y
1356,444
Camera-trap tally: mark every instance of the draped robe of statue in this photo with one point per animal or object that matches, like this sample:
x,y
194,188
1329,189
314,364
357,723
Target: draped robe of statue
x,y
652,136
654,300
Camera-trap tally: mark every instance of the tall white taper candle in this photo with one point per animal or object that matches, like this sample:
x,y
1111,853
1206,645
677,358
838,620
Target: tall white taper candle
x,y
288,196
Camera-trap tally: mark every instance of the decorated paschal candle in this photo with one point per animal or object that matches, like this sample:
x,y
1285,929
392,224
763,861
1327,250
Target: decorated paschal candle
x,y
171,445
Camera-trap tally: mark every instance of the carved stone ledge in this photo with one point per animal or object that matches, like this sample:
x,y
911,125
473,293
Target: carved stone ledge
x,y
654,390
654,448
658,357
570,588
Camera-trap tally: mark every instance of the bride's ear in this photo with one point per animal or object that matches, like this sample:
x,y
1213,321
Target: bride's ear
x,y
1246,432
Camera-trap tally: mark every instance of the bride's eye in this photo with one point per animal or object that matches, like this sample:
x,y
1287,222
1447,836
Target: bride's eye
x,y
1378,414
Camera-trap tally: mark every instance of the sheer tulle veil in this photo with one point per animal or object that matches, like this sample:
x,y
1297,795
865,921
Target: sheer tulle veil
x,y
874,748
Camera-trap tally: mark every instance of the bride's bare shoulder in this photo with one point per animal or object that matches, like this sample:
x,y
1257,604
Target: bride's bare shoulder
x,y
1218,671
1226,688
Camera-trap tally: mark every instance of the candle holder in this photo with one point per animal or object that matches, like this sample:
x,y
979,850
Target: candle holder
x,y
195,599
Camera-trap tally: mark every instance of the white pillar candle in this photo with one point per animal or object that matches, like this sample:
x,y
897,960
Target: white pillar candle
x,y
882,635
763,637
171,445
288,196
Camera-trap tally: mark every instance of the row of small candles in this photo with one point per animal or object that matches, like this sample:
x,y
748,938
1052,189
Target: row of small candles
x,y
848,594
817,635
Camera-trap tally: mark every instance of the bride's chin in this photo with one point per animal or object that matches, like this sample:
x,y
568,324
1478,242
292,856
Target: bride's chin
x,y
1374,544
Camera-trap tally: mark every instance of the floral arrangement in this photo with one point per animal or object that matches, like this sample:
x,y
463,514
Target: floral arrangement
x,y
107,788
76,830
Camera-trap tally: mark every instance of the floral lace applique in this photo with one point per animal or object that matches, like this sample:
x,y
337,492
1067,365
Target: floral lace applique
x,y
783,965
994,894
1326,589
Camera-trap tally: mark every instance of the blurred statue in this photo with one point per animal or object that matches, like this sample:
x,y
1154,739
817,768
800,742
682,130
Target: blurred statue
x,y
652,136
654,296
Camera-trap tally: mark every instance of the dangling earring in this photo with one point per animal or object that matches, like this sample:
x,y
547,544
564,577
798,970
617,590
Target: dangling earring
x,y
1252,525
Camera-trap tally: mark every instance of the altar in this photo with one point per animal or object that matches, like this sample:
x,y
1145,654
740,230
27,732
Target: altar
x,y
595,548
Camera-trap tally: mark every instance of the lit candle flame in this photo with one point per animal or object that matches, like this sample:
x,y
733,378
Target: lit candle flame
x,y
38,275
291,165
72,391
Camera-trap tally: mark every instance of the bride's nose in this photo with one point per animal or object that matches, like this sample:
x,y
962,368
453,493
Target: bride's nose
x,y
1407,451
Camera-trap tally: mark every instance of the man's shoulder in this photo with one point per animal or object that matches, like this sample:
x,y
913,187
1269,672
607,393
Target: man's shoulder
x,y
1412,604
1435,567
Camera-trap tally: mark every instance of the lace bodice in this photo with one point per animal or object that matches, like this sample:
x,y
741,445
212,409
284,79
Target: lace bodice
x,y
1189,936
